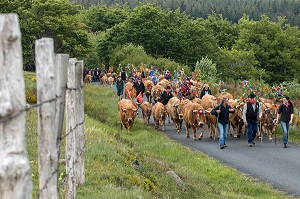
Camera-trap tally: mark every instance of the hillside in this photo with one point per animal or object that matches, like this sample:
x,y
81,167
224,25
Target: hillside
x,y
233,10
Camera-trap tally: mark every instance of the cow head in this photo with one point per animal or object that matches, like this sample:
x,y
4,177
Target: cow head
x,y
130,115
163,114
200,116
149,110
178,110
239,112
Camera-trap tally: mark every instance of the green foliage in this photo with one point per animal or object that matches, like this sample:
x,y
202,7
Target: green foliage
x,y
225,31
162,33
58,19
208,70
101,17
233,10
130,54
239,64
136,55
275,46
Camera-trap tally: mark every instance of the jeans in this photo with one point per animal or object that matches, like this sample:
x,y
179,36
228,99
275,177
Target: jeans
x,y
252,130
223,128
120,92
285,131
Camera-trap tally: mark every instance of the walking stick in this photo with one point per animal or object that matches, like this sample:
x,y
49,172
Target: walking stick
x,y
261,134
217,126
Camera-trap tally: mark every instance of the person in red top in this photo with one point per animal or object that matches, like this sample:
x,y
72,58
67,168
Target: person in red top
x,y
286,113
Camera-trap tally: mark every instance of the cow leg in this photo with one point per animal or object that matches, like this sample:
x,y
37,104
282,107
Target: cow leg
x,y
209,126
156,124
194,134
201,134
178,126
163,125
239,131
233,129
187,130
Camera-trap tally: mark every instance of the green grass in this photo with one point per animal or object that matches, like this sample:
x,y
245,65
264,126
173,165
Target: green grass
x,y
120,164
29,83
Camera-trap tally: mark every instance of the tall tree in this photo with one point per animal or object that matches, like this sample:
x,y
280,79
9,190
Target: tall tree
x,y
58,19
275,46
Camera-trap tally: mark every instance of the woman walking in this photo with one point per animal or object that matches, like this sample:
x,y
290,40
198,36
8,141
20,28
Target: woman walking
x,y
286,113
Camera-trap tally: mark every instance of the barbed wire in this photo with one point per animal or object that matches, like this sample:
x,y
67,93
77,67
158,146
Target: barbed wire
x,y
27,107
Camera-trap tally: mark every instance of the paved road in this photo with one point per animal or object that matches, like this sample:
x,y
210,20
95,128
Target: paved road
x,y
265,161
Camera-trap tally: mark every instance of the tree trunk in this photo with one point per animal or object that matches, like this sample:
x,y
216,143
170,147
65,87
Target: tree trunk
x,y
15,174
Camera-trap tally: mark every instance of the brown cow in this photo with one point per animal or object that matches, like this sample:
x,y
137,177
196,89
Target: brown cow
x,y
174,109
209,101
127,111
212,123
159,113
194,117
164,83
156,92
197,100
148,86
110,81
268,123
223,95
103,80
146,110
235,118
160,77
88,78
129,91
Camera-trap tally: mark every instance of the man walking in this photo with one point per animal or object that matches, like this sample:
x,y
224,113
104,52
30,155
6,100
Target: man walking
x,y
252,112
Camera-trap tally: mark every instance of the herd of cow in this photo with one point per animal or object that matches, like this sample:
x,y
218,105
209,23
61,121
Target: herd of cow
x,y
195,112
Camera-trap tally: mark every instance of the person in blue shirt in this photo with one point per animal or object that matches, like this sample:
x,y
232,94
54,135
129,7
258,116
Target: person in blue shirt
x,y
222,112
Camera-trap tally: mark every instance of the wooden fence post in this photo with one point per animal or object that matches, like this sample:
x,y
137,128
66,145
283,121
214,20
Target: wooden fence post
x,y
71,127
46,99
80,136
15,174
62,64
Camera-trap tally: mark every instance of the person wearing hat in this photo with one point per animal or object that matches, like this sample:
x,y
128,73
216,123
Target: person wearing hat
x,y
205,91
120,87
251,113
166,95
286,114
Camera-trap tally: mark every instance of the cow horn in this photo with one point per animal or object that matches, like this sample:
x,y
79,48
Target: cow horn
x,y
206,111
124,109
195,111
175,105
135,110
